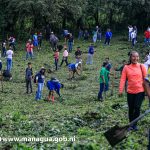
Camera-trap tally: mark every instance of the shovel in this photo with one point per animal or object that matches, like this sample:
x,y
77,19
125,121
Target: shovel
x,y
116,134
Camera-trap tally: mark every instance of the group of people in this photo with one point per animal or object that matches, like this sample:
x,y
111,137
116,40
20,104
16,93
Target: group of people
x,y
132,34
85,35
133,74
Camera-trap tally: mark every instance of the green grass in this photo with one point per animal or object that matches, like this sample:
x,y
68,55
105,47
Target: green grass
x,y
22,116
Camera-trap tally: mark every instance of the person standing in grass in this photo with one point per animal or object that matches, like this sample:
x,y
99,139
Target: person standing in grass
x,y
147,37
40,38
4,48
78,55
130,29
108,36
29,49
65,57
94,36
90,54
86,35
1,66
108,64
133,37
9,56
56,57
28,78
70,43
135,73
35,40
40,78
104,79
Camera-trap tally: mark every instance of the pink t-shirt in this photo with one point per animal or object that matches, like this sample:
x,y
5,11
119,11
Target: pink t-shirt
x,y
65,53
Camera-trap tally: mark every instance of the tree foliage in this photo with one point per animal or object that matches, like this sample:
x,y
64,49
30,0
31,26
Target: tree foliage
x,y
29,15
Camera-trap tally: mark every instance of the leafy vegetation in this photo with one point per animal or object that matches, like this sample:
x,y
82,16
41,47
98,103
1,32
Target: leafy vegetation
x,y
23,17
80,114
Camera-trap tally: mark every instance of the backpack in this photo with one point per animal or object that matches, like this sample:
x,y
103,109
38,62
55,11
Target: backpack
x,y
35,77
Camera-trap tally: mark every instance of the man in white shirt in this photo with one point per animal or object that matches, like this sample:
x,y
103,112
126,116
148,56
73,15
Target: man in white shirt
x,y
133,37
9,55
130,31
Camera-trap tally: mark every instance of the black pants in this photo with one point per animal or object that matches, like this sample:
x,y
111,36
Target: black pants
x,y
134,104
56,64
66,61
28,85
107,41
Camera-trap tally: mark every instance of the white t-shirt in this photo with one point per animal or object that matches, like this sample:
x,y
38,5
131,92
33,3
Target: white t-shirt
x,y
133,35
130,29
9,54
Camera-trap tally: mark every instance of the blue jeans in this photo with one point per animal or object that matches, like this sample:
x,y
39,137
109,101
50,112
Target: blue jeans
x,y
29,54
3,52
9,64
103,87
70,44
147,41
39,91
89,59
133,42
56,64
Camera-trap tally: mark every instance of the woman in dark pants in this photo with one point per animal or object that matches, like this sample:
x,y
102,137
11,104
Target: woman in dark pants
x,y
135,73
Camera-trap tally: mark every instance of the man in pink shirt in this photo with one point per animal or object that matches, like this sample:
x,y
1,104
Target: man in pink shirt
x,y
134,73
65,57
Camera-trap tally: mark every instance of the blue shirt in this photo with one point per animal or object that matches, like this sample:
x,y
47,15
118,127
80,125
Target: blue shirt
x,y
108,34
40,78
71,66
91,50
53,85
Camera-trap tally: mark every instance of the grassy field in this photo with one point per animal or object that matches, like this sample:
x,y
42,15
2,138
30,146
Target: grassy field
x,y
80,114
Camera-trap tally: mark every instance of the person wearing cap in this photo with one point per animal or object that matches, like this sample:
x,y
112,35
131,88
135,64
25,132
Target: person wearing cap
x,y
74,68
78,55
40,78
53,86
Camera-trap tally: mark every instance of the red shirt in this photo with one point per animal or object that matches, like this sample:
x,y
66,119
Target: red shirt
x,y
56,55
147,34
29,47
